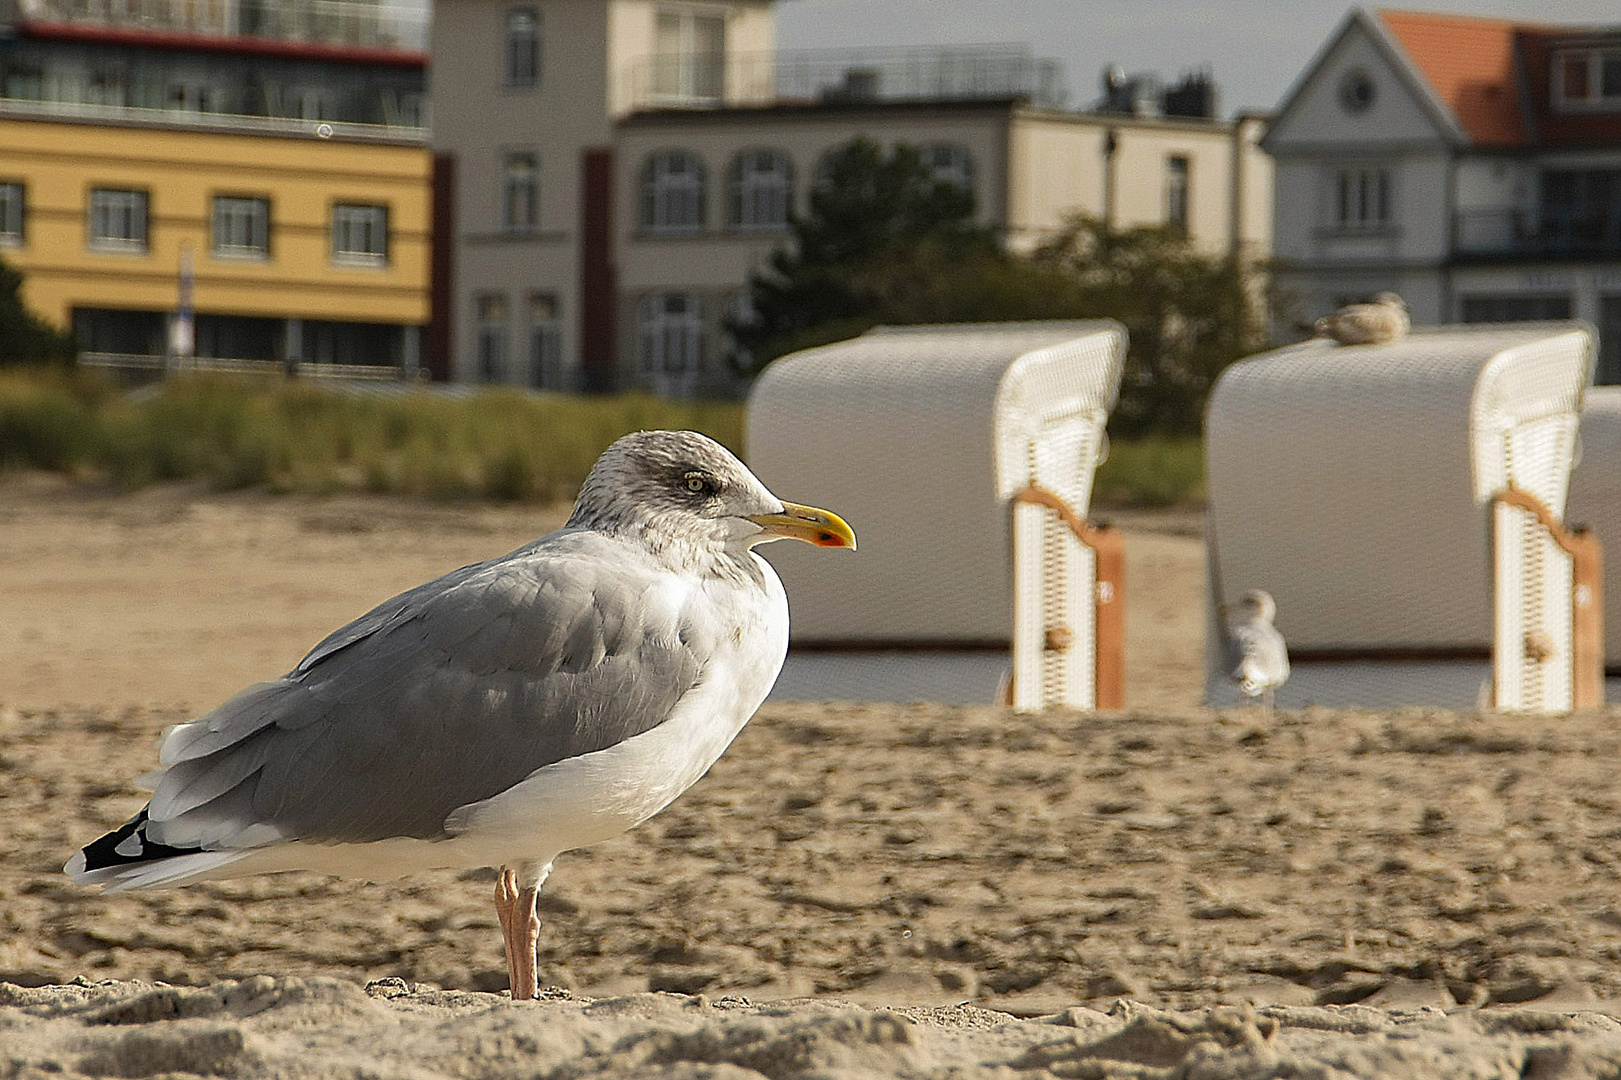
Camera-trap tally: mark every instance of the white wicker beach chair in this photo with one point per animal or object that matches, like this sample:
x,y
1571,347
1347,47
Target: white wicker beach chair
x,y
957,453
1404,505
1595,499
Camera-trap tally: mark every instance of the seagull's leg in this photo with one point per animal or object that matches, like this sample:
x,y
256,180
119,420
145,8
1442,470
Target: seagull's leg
x,y
1266,696
520,929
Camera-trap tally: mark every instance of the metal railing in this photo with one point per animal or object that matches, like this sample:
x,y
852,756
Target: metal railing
x,y
236,123
303,370
968,73
1550,230
336,22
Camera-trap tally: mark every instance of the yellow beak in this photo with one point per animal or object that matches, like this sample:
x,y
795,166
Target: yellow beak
x,y
820,527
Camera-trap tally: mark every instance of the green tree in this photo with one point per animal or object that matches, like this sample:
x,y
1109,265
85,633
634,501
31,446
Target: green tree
x,y
1189,315
25,338
884,241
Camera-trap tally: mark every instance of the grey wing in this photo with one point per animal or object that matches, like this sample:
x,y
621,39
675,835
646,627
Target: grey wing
x,y
466,686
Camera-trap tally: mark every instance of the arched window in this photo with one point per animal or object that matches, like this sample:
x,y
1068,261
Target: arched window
x,y
760,190
670,343
523,47
673,193
950,165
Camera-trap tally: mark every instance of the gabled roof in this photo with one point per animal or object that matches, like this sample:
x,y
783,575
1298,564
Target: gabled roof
x,y
1469,64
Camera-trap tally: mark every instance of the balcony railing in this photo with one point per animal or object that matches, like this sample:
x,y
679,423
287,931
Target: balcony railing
x,y
1549,231
970,73
331,22
232,123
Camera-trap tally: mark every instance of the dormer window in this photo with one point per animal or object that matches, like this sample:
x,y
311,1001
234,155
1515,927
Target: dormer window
x,y
1587,79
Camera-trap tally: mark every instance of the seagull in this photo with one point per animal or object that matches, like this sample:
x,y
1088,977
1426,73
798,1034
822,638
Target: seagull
x,y
500,715
1257,659
1383,321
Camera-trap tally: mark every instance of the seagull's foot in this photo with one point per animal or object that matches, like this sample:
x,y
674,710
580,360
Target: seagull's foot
x,y
520,931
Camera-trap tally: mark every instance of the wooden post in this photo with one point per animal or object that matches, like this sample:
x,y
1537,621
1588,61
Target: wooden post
x,y
1108,597
1587,599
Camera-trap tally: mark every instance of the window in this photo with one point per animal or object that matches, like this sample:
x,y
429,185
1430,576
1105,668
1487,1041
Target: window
x,y
520,204
492,338
761,190
1590,78
359,234
673,194
1515,308
117,220
11,213
523,48
1362,198
546,344
1580,211
1176,193
950,165
671,342
241,227
689,57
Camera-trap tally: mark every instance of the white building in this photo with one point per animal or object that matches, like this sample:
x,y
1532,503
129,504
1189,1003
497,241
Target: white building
x,y
1473,165
611,171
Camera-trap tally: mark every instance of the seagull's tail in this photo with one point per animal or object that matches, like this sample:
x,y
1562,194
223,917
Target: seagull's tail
x,y
125,859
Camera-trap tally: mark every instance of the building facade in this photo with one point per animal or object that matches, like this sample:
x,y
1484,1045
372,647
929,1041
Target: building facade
x,y
1473,165
185,185
612,172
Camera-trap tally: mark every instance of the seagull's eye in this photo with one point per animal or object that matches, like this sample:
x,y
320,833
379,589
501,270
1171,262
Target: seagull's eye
x,y
700,484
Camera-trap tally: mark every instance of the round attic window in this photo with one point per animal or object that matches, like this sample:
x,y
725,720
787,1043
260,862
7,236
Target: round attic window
x,y
1356,91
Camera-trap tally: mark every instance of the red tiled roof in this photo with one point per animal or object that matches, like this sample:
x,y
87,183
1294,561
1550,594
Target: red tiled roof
x,y
1469,64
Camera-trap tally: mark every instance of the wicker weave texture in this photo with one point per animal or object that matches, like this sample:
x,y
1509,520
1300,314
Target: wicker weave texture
x,y
917,436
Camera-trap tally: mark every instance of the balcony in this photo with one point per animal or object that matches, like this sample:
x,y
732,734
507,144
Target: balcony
x,y
353,23
1550,232
842,76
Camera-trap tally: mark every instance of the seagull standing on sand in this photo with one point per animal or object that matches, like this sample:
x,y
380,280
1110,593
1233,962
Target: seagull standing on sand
x,y
502,714
1257,659
1379,323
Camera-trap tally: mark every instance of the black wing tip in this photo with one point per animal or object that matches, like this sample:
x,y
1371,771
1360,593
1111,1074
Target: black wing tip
x,y
103,854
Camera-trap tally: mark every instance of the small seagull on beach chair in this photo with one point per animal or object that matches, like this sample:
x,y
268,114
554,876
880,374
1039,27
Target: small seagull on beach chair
x,y
1257,658
1379,323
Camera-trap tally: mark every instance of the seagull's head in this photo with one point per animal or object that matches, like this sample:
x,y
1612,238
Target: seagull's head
x,y
1390,299
1257,606
682,489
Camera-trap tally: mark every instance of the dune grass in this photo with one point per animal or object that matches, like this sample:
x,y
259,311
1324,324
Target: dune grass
x,y
1151,472
235,433
270,434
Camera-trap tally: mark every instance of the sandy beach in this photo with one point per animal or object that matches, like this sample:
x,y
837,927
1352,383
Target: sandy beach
x,y
854,890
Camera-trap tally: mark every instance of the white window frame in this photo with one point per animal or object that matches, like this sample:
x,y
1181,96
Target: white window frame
x,y
949,163
682,74
1179,192
240,227
546,344
520,193
521,50
359,234
493,352
119,220
670,342
1595,61
761,191
13,212
1361,199
673,199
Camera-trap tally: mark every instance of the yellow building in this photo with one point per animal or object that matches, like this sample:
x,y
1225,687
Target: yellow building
x,y
279,166
302,247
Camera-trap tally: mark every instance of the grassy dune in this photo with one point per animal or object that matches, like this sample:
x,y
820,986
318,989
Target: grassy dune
x,y
271,434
